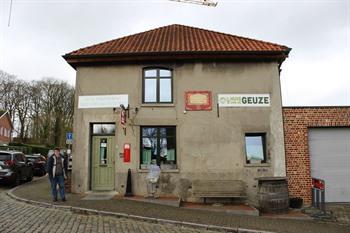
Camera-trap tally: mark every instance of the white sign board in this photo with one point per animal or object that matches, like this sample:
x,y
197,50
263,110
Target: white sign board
x,y
244,100
102,101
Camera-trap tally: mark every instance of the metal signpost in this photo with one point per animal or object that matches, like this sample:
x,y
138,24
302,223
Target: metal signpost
x,y
69,138
318,194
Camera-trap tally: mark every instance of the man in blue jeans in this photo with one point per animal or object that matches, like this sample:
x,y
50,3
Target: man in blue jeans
x,y
57,169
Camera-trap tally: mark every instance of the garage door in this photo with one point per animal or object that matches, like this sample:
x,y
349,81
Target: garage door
x,y
329,150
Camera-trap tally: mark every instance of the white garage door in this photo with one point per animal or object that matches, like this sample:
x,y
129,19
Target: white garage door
x,y
329,150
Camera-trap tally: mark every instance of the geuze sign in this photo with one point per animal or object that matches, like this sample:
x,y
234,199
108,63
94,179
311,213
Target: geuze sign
x,y
244,100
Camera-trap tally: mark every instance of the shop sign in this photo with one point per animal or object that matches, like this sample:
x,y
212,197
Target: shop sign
x,y
198,100
244,100
102,101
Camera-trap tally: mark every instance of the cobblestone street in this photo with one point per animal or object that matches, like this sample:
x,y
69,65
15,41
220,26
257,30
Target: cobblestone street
x,y
20,217
17,216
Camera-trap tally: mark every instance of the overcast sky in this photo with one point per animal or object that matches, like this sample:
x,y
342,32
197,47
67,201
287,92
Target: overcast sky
x,y
317,71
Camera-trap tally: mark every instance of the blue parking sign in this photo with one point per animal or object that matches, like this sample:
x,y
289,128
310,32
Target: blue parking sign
x,y
69,136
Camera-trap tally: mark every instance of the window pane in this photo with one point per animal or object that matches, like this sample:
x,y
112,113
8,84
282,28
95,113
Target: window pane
x,y
167,150
96,128
150,90
5,156
108,128
167,131
103,128
103,151
254,148
165,90
150,73
149,132
149,150
164,73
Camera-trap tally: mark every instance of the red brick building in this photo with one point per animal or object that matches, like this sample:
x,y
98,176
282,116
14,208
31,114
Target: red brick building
x,y
6,127
317,143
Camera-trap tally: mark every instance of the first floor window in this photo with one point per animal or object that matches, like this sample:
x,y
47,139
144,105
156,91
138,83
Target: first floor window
x,y
255,147
158,143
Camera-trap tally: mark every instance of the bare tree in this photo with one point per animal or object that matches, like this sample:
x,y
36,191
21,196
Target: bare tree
x,y
7,94
42,109
22,107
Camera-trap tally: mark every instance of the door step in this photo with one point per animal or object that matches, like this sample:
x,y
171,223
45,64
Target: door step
x,y
100,195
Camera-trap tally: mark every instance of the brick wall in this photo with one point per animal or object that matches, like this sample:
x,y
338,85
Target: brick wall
x,y
296,121
5,124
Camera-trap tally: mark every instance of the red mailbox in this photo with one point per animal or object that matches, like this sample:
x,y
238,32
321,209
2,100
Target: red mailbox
x,y
127,152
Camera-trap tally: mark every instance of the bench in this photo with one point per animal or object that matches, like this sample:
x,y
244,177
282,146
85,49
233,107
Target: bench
x,y
218,189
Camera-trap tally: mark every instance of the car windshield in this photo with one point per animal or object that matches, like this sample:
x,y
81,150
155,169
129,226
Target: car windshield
x,y
5,156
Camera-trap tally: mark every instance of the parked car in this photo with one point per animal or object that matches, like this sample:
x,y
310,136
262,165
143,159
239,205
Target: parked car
x,y
15,168
39,163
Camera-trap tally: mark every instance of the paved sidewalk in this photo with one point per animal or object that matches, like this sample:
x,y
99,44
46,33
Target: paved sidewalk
x,y
39,191
341,212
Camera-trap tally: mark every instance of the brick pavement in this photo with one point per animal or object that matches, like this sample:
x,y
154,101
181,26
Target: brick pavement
x,y
20,217
341,211
39,191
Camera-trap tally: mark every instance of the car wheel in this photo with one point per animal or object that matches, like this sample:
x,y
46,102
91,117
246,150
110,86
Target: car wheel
x,y
17,181
30,177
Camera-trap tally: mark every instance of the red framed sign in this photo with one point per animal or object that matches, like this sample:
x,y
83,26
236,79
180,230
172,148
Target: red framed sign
x,y
198,100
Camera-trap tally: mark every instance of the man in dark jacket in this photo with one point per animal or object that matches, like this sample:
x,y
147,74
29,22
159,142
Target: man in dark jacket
x,y
57,170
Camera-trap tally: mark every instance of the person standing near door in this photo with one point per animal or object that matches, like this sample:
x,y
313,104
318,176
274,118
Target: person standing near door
x,y
57,169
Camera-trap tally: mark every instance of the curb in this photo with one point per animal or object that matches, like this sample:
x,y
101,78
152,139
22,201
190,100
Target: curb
x,y
85,211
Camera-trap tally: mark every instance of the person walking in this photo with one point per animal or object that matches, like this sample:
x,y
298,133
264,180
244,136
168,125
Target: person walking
x,y
57,169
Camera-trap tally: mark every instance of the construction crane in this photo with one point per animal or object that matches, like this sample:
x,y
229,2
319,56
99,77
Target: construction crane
x,y
200,2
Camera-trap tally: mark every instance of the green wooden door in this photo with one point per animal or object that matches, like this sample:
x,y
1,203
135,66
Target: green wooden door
x,y
103,161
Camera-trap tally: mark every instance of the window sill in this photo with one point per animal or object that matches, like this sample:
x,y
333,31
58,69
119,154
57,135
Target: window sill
x,y
162,171
257,165
157,105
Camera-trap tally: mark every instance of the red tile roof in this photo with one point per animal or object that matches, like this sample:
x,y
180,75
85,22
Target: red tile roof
x,y
179,38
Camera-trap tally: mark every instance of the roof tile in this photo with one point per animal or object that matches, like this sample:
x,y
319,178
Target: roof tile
x,y
179,38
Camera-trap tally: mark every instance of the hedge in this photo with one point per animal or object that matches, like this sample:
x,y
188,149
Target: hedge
x,y
26,149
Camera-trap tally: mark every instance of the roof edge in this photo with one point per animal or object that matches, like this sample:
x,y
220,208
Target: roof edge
x,y
78,60
4,113
286,52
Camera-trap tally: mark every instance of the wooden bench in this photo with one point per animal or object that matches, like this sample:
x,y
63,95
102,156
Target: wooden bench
x,y
218,189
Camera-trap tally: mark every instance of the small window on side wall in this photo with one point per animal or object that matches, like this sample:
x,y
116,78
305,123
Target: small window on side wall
x,y
157,85
255,148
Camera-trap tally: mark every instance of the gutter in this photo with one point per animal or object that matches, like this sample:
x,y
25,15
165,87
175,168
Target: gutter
x,y
93,59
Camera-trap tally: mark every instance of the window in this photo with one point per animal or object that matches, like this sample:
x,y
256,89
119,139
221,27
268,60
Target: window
x,y
103,128
157,86
5,156
255,147
103,151
20,157
158,143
